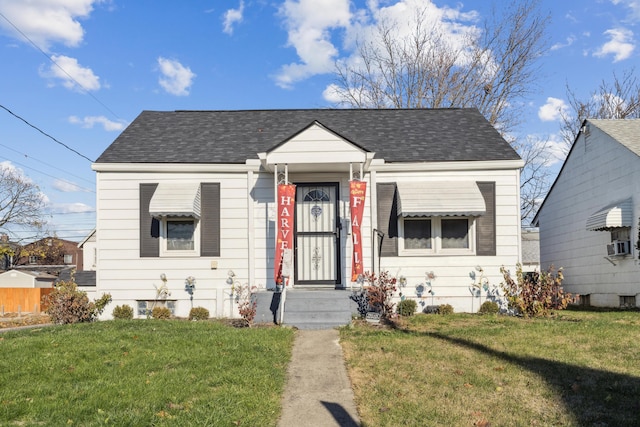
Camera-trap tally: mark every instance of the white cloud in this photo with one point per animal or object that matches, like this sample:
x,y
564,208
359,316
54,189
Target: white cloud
x,y
313,31
547,151
620,44
63,208
568,42
89,121
633,5
69,72
176,79
231,17
308,26
46,21
552,110
66,186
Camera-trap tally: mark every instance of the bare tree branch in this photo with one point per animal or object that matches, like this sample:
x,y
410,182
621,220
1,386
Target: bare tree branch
x,y
492,68
21,202
618,99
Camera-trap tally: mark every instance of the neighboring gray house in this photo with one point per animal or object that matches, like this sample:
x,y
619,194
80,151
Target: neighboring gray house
x,y
193,193
589,219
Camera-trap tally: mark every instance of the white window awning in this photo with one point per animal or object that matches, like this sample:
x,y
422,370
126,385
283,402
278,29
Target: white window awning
x,y
176,199
615,215
440,198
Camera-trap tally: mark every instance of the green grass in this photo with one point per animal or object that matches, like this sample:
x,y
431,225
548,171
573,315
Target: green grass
x,y
143,373
577,369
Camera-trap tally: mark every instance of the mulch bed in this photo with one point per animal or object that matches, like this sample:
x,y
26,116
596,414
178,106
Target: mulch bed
x,y
12,320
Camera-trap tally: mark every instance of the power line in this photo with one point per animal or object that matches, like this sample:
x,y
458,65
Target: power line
x,y
89,190
47,164
57,65
44,133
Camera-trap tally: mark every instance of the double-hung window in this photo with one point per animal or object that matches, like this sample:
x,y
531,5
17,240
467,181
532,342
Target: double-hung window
x,y
436,235
179,236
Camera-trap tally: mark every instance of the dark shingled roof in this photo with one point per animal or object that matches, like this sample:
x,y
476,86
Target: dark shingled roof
x,y
396,135
81,278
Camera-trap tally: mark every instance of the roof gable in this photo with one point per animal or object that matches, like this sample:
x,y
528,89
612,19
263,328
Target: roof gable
x,y
395,135
318,143
625,131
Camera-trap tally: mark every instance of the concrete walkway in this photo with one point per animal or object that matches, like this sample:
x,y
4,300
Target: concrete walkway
x,y
318,391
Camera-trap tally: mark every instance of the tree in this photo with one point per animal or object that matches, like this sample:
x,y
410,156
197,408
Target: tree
x,y
618,99
22,204
420,65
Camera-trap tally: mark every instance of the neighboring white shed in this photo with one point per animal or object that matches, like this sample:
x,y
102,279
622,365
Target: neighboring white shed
x,y
589,220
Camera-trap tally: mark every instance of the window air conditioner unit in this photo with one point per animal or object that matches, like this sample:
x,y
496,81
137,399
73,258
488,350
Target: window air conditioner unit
x,y
619,247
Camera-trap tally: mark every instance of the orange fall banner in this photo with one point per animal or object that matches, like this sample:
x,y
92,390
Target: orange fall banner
x,y
284,227
357,192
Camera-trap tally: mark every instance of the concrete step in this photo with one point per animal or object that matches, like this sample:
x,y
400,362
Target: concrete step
x,y
307,308
317,309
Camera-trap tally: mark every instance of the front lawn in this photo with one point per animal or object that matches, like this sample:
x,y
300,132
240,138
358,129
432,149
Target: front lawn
x,y
143,373
577,369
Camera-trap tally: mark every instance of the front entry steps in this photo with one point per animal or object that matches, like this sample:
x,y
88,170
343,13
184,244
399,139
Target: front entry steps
x,y
307,308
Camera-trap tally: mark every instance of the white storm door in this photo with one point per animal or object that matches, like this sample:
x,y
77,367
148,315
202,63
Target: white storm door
x,y
317,234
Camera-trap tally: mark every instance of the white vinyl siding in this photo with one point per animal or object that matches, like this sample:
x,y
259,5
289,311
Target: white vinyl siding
x,y
591,179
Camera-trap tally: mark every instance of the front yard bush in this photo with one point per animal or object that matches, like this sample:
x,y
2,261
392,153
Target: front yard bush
x,y
66,304
407,307
198,313
445,309
489,307
122,312
535,294
161,313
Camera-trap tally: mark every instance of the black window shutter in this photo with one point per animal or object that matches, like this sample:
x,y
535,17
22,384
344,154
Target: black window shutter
x,y
486,224
210,219
388,218
149,227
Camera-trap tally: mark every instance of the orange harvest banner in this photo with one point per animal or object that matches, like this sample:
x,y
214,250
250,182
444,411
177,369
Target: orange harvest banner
x,y
284,229
357,191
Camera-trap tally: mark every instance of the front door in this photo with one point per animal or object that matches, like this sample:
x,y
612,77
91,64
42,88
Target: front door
x,y
317,237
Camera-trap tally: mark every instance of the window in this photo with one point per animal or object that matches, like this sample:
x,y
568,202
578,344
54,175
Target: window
x,y
417,234
33,259
170,229
179,236
455,233
436,235
68,259
316,195
622,233
627,301
146,306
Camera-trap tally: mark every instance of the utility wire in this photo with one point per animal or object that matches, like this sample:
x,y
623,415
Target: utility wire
x,y
57,65
50,176
46,164
44,133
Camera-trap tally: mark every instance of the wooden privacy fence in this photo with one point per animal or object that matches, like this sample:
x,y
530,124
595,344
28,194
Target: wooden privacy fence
x,y
22,300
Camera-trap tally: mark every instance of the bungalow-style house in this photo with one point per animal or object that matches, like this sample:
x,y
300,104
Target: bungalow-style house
x,y
310,199
589,220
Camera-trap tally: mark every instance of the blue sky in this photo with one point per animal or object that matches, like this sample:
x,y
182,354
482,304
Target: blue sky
x,y
136,55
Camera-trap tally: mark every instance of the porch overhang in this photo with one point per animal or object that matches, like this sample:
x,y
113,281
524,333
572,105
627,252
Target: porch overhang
x,y
440,198
339,162
175,199
615,215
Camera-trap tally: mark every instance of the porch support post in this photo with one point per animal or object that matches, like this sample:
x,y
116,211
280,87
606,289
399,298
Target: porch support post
x,y
275,210
374,220
251,231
